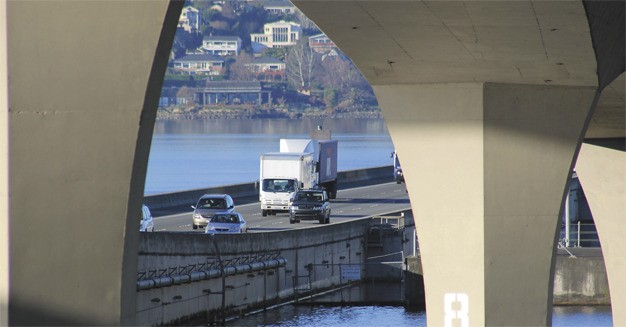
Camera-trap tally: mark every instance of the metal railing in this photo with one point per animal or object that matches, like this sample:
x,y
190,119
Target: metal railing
x,y
580,235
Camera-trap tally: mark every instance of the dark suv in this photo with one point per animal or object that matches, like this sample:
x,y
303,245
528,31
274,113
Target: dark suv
x,y
309,205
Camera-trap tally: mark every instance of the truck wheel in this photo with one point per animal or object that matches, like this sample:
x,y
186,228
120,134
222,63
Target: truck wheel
x,y
263,213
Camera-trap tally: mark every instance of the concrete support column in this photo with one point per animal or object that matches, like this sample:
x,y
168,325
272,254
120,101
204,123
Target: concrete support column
x,y
4,170
81,120
601,170
486,166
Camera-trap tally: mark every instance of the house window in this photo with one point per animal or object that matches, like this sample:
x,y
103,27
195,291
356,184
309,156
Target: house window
x,y
280,34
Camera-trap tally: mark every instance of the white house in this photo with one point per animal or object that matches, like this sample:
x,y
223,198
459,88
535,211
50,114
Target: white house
x,y
222,45
278,7
277,35
199,64
190,20
321,43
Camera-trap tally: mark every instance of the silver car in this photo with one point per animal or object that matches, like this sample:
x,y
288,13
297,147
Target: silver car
x,y
146,224
208,205
226,223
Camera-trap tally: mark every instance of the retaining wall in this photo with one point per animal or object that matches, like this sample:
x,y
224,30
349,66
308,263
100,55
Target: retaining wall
x,y
311,257
581,280
190,197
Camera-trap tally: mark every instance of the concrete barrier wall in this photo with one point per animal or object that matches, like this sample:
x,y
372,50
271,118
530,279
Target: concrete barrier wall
x,y
581,280
312,260
190,197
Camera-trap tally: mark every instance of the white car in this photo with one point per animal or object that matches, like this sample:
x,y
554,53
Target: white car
x,y
147,224
226,223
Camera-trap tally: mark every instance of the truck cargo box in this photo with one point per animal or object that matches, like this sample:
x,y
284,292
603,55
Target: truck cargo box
x,y
327,160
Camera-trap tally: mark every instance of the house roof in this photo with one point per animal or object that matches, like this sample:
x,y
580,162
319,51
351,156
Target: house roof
x,y
267,60
190,8
318,36
222,38
232,86
283,22
277,4
200,57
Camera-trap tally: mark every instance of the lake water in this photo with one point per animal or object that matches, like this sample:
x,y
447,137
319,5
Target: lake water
x,y
357,316
192,154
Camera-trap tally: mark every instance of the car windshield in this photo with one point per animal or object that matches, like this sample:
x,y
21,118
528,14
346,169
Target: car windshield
x,y
279,185
233,219
212,203
309,196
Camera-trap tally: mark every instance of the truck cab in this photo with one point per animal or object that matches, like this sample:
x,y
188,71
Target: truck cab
x,y
275,193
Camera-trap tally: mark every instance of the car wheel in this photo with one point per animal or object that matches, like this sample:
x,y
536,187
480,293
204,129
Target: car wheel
x,y
194,226
263,213
292,221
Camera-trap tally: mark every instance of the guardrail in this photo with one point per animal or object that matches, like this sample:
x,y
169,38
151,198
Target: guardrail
x,y
186,198
580,235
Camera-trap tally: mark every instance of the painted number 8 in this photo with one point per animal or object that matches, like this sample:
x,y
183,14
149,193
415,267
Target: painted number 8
x,y
461,312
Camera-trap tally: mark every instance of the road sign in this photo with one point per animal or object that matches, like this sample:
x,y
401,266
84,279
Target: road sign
x,y
351,272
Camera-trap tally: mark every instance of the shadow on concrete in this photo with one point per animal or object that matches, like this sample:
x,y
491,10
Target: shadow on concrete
x,y
265,229
371,200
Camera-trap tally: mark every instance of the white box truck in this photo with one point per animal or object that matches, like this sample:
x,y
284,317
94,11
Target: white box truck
x,y
300,164
282,174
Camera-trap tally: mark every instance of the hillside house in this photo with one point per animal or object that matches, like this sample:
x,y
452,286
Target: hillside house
x,y
321,43
268,69
276,35
279,7
190,20
199,64
232,93
222,45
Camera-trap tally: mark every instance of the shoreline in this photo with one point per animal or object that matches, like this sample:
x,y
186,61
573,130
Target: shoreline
x,y
245,114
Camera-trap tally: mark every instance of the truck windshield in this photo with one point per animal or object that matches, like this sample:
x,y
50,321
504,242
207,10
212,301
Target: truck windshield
x,y
279,185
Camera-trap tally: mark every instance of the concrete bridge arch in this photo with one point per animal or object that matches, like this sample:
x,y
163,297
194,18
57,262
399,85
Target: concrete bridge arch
x,y
497,95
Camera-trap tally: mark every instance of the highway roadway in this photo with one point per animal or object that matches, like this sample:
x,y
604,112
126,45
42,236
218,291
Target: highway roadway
x,y
352,203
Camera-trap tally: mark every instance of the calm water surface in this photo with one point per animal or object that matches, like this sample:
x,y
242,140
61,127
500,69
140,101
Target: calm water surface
x,y
191,154
304,316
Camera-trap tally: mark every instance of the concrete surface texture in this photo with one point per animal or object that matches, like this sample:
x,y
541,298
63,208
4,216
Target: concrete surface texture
x,y
601,169
84,83
324,247
580,278
4,174
486,103
85,77
488,188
